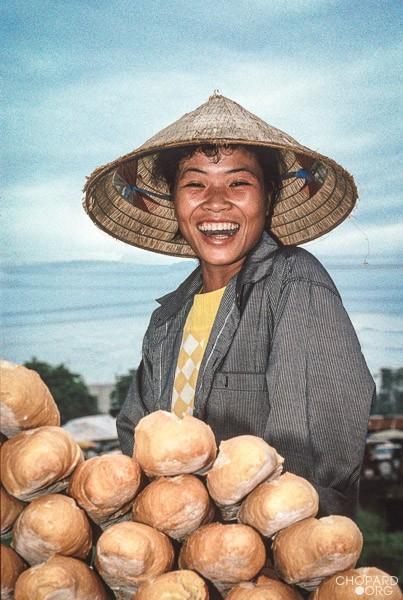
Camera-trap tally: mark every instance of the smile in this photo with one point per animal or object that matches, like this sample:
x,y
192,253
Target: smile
x,y
219,229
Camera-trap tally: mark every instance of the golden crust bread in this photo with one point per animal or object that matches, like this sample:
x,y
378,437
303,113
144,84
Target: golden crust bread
x,y
177,585
11,566
264,589
10,508
105,486
274,505
365,583
38,461
226,553
166,445
52,524
176,506
25,400
312,549
129,553
60,577
242,463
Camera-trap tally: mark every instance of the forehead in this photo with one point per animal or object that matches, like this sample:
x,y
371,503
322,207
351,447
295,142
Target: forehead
x,y
227,159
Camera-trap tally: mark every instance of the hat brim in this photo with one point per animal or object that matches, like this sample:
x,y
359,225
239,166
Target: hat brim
x,y
303,212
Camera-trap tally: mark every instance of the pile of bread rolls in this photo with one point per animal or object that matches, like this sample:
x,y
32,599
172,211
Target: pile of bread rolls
x,y
178,520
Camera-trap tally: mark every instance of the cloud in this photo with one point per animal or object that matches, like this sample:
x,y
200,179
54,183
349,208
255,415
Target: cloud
x,y
87,100
46,222
350,239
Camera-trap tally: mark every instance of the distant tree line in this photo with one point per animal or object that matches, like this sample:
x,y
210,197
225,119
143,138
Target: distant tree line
x,y
68,390
389,397
74,399
119,393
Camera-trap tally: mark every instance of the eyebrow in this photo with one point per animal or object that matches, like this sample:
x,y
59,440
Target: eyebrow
x,y
193,170
243,169
238,170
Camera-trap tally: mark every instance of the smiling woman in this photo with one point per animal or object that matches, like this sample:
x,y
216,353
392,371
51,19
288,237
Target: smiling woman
x,y
256,340
221,205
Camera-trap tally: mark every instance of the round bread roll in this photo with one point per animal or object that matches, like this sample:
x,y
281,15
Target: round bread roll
x,y
11,567
224,553
10,508
312,549
105,486
276,504
176,585
38,461
25,400
176,506
129,553
2,440
52,524
365,583
242,463
60,577
167,445
269,589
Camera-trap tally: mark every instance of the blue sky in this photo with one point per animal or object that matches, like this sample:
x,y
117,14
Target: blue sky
x,y
89,81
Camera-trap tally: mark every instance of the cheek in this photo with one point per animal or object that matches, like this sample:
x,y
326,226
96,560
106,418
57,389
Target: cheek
x,y
182,215
258,217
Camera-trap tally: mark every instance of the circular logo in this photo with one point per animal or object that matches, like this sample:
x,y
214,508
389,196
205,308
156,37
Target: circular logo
x,y
359,590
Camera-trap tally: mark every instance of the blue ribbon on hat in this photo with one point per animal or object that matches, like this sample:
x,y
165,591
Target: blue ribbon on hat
x,y
134,188
300,174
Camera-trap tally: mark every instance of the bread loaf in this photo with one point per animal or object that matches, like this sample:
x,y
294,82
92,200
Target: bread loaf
x,y
38,461
11,566
242,463
176,585
25,400
166,445
176,506
52,524
276,504
269,589
128,554
312,549
60,577
10,508
224,553
105,486
365,583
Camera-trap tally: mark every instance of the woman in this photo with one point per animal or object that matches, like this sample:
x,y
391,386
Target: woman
x,y
256,339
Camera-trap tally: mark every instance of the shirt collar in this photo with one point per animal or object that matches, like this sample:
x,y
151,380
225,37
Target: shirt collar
x,y
254,268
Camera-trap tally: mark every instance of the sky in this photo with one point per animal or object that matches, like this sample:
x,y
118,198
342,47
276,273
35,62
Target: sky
x,y
87,81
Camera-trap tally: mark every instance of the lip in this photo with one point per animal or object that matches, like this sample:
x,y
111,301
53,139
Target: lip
x,y
216,221
215,239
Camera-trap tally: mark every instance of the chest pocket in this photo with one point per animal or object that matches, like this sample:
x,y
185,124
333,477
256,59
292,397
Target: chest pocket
x,y
238,404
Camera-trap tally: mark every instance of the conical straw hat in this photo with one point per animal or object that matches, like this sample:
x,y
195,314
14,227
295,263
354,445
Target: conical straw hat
x,y
316,195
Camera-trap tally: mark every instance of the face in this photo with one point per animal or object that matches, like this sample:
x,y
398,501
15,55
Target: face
x,y
221,207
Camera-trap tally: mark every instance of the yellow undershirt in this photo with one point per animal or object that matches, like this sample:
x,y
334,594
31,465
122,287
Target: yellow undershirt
x,y
196,333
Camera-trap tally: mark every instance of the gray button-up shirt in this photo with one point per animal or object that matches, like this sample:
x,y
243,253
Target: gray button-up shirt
x,y
282,362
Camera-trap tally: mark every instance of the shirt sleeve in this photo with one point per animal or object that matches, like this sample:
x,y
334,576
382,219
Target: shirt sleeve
x,y
135,405
322,389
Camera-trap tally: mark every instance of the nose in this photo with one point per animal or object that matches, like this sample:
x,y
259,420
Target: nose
x,y
216,199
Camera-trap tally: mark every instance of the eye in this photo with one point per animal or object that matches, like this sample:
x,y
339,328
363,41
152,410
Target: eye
x,y
239,183
193,184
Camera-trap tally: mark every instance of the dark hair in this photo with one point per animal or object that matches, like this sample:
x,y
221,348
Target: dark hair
x,y
270,160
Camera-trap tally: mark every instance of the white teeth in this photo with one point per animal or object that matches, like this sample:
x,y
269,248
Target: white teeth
x,y
218,226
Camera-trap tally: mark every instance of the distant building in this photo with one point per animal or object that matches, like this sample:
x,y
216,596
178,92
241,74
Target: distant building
x,y
102,392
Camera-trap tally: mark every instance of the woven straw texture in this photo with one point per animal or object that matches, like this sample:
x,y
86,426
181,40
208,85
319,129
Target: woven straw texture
x,y
304,211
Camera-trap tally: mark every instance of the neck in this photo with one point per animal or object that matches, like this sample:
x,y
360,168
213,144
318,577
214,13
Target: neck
x,y
217,276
